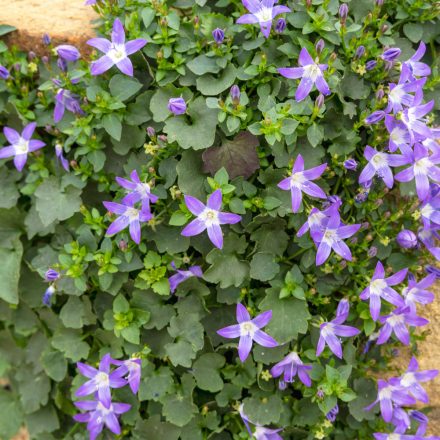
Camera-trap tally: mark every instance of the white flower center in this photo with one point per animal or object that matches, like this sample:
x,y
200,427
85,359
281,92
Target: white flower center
x,y
102,379
422,166
22,146
117,53
394,320
408,379
394,436
398,135
427,210
379,160
264,14
132,213
396,94
143,188
209,216
385,393
296,179
330,236
312,71
248,328
293,357
377,286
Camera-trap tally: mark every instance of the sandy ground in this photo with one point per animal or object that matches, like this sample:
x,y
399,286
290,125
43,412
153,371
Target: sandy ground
x,y
66,21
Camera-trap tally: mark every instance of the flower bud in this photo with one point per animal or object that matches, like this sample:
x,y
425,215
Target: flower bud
x,y
360,51
391,54
384,28
51,275
372,252
46,39
406,239
4,73
280,26
163,138
319,46
235,94
380,94
62,65
45,59
319,101
151,132
177,106
218,35
350,164
122,245
375,117
67,52
343,13
371,64
48,295
379,3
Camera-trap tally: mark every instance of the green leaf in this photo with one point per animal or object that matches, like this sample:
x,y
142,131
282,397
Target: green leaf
x,y
366,393
11,417
71,344
54,364
205,370
123,87
112,125
190,179
157,385
210,85
10,271
156,429
282,327
55,203
203,64
77,312
226,270
199,131
9,193
414,31
6,29
178,410
238,156
315,134
263,266
263,411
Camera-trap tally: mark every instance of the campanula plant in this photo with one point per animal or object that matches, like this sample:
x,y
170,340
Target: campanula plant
x,y
221,220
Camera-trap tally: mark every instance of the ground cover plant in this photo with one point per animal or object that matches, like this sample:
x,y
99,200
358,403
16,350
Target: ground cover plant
x,y
221,222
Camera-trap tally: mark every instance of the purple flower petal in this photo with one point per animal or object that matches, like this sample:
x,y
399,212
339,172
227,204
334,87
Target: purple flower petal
x,y
215,234
264,339
244,347
118,33
242,314
134,45
194,228
195,206
215,200
101,44
101,65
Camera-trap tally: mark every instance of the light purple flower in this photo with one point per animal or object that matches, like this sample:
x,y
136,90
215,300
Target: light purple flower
x,y
218,35
130,369
399,136
68,52
396,323
59,154
395,436
129,216
406,239
291,366
379,163
391,54
430,212
262,12
329,331
101,380
116,51
423,167
410,380
4,73
379,287
99,416
413,67
416,292
300,181
20,145
400,94
389,395
177,106
309,72
249,330
343,12
413,119
139,191
47,297
65,99
429,237
333,238
182,275
209,217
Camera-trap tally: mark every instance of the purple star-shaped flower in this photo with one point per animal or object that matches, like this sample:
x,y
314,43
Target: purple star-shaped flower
x,y
379,287
396,436
416,292
413,67
317,221
400,94
116,51
131,370
333,238
182,275
389,395
329,331
410,380
20,145
413,119
399,135
128,216
262,12
139,191
310,73
423,167
300,181
209,217
101,380
65,99
379,163
396,322
249,330
100,416
430,212
429,237
291,366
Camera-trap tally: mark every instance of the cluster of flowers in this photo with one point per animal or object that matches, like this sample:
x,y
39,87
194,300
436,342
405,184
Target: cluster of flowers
x,y
102,411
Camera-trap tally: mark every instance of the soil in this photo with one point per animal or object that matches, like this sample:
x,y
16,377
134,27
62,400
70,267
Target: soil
x,y
66,21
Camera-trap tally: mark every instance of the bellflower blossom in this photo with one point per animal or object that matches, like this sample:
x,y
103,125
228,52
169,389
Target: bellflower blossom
x,y
410,380
430,212
413,67
423,167
379,163
310,73
430,237
129,216
177,106
396,323
249,330
99,416
65,99
332,237
301,181
262,12
209,217
399,135
67,52
416,292
130,369
59,154
101,380
399,95
47,297
379,287
116,51
396,436
4,73
291,366
20,145
138,191
329,331
413,119
389,395
182,275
